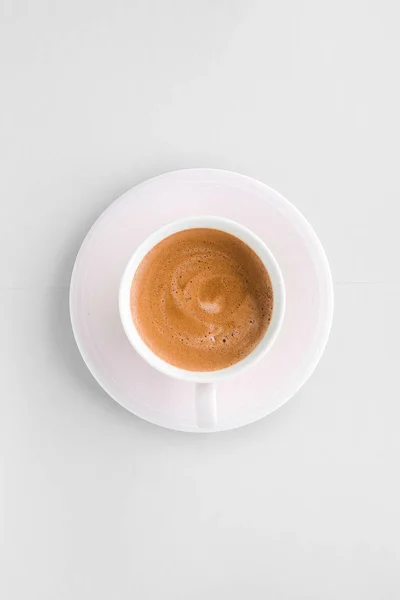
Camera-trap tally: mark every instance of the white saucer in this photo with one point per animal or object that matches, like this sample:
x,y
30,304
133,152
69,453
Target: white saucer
x,y
107,249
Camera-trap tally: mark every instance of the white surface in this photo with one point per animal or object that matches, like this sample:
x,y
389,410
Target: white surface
x,y
95,285
97,96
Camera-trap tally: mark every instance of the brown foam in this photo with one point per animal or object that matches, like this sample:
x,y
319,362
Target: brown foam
x,y
201,299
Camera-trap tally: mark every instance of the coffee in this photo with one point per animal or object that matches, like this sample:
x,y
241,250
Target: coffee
x,y
201,299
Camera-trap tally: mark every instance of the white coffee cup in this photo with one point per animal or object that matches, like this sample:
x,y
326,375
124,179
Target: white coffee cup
x,y
205,392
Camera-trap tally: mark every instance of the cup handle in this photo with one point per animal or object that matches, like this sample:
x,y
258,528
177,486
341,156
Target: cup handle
x,y
206,405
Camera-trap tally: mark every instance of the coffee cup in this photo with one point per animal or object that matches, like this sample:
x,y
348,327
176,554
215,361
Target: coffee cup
x,y
205,381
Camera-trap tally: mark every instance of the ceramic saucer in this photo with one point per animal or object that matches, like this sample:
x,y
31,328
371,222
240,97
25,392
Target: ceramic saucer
x,y
106,251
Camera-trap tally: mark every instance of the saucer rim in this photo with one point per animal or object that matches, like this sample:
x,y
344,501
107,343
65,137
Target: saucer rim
x,y
324,334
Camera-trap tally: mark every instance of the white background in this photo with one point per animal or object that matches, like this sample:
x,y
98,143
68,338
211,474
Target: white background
x,y
97,96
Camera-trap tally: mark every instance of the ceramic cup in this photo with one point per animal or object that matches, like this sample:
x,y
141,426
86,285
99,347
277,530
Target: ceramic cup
x,y
205,381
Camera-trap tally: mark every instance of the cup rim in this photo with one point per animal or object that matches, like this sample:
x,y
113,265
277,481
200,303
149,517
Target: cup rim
x,y
249,238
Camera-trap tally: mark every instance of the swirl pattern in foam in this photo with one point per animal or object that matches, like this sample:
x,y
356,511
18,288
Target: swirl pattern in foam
x,y
201,299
